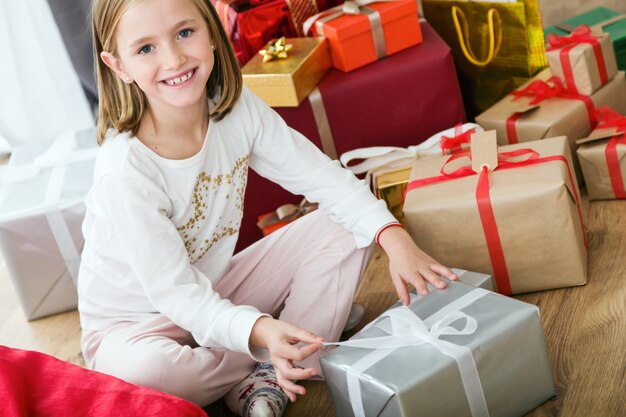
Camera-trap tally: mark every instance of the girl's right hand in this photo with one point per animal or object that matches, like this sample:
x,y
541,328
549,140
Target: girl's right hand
x,y
280,339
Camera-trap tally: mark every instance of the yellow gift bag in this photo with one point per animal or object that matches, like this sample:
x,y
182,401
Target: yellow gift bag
x,y
497,46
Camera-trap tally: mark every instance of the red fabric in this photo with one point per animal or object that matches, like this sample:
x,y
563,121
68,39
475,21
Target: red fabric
x,y
483,200
387,103
33,384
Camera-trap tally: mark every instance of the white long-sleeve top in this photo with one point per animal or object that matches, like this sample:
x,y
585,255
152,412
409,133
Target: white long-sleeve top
x,y
160,232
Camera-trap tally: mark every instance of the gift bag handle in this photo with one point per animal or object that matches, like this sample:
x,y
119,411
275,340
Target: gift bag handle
x,y
462,32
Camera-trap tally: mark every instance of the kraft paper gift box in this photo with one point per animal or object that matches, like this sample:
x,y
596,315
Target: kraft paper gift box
x,y
286,82
392,102
542,109
522,223
41,214
584,60
362,32
459,352
609,20
603,157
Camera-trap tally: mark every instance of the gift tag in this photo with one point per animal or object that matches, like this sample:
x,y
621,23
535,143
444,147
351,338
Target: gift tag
x,y
599,134
484,149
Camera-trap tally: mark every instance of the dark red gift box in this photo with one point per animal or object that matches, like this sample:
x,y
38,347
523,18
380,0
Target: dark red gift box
x,y
400,100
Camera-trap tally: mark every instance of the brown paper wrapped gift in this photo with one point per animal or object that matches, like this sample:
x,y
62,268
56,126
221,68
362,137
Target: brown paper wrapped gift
x,y
585,60
603,157
535,213
286,82
543,109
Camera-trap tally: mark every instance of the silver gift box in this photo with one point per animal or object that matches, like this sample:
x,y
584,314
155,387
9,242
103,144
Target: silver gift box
x,y
513,373
42,195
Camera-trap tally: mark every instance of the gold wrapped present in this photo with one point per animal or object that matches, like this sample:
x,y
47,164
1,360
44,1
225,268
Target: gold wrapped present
x,y
585,60
389,184
542,109
520,223
603,157
286,81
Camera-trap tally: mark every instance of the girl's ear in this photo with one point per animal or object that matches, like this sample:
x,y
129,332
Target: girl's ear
x,y
116,66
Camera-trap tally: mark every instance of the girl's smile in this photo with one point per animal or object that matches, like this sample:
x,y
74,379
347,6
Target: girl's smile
x,y
180,80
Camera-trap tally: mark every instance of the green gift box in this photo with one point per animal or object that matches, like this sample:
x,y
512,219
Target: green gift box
x,y
611,21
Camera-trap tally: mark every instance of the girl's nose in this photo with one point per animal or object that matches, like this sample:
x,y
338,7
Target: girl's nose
x,y
174,57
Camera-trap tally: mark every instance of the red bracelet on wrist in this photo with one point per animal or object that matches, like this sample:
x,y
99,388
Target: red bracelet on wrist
x,y
385,227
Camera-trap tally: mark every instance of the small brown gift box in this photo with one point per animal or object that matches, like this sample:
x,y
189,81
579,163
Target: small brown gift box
x,y
519,119
603,159
535,211
286,82
584,60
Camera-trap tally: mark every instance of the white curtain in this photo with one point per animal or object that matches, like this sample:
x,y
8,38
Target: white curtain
x,y
40,93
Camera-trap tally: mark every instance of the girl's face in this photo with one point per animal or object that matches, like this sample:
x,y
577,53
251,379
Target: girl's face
x,y
164,46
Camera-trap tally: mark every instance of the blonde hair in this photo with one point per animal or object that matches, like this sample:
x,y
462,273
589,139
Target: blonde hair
x,y
122,105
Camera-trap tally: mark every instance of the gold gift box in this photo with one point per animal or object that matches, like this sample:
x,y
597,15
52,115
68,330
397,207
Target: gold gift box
x,y
390,185
286,82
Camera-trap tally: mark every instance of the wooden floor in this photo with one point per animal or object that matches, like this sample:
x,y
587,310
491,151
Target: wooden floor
x,y
585,327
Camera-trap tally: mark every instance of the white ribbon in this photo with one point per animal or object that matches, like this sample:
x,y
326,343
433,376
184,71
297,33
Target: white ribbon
x,y
406,329
378,156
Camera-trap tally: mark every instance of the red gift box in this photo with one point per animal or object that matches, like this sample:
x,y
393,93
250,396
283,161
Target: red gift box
x,y
251,24
400,100
359,34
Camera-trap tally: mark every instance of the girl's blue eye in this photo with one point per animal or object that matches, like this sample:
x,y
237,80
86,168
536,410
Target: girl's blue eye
x,y
145,49
185,33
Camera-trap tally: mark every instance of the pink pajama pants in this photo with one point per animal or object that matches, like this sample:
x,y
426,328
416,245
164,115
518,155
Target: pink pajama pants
x,y
305,273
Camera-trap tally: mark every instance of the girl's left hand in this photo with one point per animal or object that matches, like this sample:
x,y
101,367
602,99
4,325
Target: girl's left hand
x,y
408,264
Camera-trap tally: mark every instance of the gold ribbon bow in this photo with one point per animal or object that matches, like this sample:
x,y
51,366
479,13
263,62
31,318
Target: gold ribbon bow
x,y
275,50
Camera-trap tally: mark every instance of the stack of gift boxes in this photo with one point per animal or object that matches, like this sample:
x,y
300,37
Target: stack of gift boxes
x,y
372,79
506,202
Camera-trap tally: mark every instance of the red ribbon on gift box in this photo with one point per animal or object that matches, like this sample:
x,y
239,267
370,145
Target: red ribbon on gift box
x,y
455,143
582,34
609,118
506,160
539,91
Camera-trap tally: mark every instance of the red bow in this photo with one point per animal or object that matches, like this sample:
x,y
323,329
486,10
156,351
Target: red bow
x,y
581,34
541,90
607,118
455,143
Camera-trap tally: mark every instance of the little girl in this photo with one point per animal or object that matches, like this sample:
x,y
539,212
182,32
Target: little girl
x,y
163,302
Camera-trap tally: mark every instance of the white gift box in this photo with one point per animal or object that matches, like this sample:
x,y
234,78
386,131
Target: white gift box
x,y
42,208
